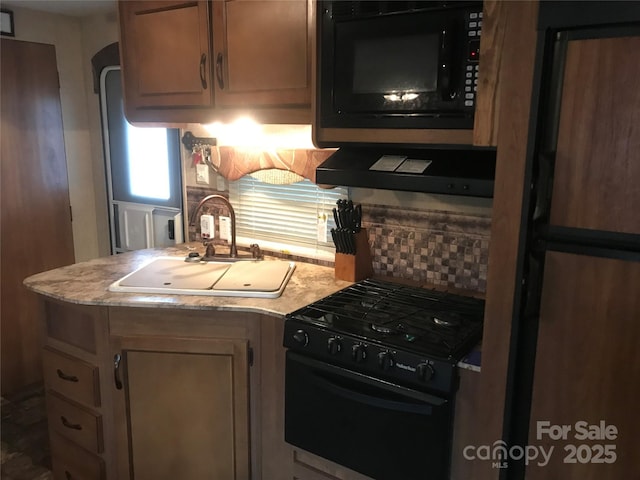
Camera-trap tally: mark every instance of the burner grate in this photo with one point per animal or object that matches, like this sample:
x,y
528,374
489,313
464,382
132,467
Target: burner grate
x,y
427,321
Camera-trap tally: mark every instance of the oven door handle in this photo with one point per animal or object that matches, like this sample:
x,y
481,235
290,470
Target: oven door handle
x,y
426,408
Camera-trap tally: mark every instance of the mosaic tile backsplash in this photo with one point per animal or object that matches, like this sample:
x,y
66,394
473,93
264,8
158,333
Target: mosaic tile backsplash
x,y
441,248
437,247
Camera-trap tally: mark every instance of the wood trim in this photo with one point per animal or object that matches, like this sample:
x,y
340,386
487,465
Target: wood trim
x,y
409,136
177,117
125,321
276,462
107,57
492,45
517,84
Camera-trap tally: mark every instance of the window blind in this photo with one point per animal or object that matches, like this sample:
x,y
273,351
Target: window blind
x,y
284,213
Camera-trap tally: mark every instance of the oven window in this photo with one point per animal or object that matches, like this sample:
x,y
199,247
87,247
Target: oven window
x,y
401,65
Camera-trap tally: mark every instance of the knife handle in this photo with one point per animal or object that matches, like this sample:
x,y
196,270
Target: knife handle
x,y
336,219
358,217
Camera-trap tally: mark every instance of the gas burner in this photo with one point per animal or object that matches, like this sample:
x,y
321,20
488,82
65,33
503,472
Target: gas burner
x,y
368,302
428,322
382,329
443,319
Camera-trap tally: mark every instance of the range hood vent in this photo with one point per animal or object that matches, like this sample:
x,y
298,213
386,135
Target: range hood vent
x,y
453,172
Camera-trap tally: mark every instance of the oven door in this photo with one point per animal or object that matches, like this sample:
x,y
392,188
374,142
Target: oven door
x,y
379,429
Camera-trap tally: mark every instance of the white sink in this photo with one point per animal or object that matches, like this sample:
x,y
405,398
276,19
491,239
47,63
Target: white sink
x,y
172,275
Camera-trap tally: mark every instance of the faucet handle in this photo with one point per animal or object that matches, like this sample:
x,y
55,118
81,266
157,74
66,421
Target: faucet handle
x,y
210,250
255,251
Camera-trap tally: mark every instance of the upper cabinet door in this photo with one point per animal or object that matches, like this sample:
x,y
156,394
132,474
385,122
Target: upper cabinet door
x,y
597,165
262,53
164,50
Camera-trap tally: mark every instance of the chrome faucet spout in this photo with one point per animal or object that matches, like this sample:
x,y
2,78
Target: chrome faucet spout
x,y
233,250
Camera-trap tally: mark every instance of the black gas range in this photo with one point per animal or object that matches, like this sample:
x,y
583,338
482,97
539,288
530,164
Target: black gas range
x,y
411,335
371,377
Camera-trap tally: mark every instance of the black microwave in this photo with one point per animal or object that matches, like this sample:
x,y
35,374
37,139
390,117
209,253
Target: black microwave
x,y
398,64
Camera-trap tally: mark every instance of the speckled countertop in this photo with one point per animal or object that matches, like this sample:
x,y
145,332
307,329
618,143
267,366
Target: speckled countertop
x,y
88,282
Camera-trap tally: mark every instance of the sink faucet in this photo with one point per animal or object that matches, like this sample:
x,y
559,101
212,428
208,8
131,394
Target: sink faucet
x,y
233,253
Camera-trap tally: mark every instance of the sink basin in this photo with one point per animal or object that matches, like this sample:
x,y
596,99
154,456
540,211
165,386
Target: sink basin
x,y
172,275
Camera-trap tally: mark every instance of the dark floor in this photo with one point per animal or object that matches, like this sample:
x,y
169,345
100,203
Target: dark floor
x,y
25,444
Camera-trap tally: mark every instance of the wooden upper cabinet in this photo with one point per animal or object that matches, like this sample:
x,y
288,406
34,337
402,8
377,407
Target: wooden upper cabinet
x,y
596,167
262,53
165,54
199,61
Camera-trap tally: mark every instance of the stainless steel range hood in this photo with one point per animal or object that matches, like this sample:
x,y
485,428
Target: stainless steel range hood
x,y
446,171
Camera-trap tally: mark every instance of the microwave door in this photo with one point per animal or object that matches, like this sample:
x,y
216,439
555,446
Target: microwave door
x,y
396,72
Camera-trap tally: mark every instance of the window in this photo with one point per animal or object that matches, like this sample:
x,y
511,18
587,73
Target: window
x,y
288,214
143,175
148,163
143,163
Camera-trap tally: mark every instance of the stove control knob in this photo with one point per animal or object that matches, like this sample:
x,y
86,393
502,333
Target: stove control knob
x,y
385,360
359,352
301,337
334,345
425,372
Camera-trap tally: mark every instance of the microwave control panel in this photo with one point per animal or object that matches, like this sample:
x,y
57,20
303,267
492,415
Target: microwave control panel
x,y
473,27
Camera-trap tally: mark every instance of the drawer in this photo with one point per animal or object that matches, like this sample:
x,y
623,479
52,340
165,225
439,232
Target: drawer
x,y
75,423
73,378
70,462
75,325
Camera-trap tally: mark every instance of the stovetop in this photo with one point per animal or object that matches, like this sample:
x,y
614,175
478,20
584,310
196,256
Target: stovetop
x,y
426,322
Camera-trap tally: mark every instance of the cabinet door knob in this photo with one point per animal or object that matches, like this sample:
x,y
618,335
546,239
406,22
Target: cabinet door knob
x,y
116,371
203,70
219,71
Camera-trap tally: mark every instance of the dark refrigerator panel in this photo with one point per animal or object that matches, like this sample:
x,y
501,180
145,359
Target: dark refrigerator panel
x,y
575,361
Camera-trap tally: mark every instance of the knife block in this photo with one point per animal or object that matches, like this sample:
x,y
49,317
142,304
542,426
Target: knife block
x,y
353,268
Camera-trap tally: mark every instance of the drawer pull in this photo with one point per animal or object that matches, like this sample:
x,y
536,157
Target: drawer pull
x,y
64,376
68,424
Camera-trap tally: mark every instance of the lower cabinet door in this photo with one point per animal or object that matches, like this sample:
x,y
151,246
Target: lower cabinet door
x,y
184,408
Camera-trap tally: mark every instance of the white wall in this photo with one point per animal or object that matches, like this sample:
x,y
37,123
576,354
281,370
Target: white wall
x,y
76,40
98,31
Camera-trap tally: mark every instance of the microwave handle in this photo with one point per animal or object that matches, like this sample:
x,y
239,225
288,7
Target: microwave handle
x,y
446,60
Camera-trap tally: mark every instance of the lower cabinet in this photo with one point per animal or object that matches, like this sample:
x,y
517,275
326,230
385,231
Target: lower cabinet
x,y
186,404
78,402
